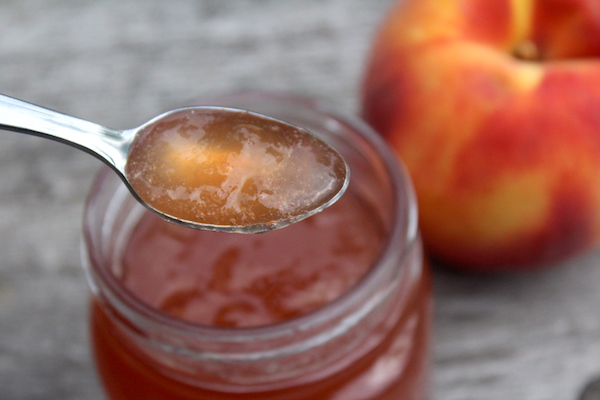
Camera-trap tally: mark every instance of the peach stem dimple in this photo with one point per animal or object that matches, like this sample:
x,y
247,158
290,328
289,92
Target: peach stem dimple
x,y
527,50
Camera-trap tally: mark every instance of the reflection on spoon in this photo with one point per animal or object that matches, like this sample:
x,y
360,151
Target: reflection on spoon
x,y
212,168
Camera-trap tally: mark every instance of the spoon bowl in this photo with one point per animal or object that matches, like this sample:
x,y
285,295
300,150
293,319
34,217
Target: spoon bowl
x,y
213,168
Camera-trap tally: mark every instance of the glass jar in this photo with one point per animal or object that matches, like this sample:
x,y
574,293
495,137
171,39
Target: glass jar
x,y
369,340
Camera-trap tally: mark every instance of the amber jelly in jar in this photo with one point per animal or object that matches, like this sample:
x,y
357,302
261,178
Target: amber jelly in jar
x,y
336,306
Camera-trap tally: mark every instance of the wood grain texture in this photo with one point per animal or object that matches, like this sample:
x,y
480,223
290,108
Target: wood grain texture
x,y
533,336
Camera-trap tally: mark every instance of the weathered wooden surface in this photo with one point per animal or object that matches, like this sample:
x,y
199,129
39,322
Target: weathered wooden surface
x,y
532,336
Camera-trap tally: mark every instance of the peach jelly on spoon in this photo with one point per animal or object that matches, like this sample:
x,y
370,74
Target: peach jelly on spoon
x,y
213,168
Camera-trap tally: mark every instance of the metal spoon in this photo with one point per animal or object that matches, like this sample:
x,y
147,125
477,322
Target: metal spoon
x,y
114,148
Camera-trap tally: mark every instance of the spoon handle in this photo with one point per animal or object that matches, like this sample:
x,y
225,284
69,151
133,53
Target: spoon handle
x,y
108,144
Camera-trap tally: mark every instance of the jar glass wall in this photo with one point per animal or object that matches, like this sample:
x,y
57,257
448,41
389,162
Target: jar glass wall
x,y
334,307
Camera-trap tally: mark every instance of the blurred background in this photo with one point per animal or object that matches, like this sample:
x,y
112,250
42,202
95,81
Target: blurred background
x,y
528,336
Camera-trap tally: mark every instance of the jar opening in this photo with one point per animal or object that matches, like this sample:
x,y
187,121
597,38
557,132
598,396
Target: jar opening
x,y
112,214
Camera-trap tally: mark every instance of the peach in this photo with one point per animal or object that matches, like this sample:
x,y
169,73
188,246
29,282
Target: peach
x,y
494,107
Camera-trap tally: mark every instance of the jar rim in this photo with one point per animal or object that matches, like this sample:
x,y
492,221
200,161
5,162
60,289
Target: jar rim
x,y
404,229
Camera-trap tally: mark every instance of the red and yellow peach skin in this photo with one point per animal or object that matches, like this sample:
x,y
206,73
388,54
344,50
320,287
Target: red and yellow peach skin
x,y
494,107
